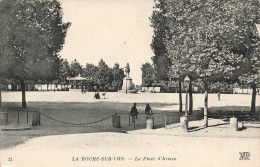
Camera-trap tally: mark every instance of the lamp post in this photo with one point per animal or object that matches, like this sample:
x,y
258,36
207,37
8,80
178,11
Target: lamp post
x,y
186,84
184,120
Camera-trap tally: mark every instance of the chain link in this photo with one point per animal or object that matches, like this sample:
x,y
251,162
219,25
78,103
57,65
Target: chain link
x,y
86,123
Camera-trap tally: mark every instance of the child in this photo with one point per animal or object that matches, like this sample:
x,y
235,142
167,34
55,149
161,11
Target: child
x,y
148,110
134,112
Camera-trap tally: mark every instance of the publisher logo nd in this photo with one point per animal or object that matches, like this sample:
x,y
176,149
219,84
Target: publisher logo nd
x,y
244,155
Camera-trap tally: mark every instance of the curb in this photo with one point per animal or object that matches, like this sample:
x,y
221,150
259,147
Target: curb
x,y
14,128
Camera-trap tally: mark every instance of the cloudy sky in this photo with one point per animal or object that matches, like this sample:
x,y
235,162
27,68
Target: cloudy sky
x,y
114,30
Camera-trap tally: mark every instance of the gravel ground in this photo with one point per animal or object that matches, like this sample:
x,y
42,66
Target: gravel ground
x,y
55,144
118,149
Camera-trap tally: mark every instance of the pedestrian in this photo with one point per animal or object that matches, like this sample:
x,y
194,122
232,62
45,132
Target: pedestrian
x,y
134,113
148,110
82,89
95,96
98,96
218,96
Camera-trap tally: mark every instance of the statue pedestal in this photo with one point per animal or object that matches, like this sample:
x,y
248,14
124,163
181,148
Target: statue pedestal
x,y
127,84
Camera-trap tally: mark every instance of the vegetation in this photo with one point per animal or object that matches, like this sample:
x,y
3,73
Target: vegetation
x,y
213,41
32,34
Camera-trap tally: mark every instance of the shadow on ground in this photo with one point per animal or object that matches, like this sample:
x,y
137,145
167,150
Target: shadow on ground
x,y
86,112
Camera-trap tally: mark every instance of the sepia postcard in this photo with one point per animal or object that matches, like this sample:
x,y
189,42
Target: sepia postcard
x,y
160,83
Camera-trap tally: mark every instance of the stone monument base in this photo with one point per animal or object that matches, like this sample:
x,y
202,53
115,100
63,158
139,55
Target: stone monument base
x,y
127,84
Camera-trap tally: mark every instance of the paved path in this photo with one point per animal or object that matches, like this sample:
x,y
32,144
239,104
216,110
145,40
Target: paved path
x,y
120,149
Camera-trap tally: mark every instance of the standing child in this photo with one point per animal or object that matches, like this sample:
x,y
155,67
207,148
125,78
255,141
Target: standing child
x,y
148,110
134,112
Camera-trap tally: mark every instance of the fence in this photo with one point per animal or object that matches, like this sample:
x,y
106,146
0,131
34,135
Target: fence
x,y
163,119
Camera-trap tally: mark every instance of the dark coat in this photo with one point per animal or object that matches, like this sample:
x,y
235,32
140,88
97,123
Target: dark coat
x,y
133,111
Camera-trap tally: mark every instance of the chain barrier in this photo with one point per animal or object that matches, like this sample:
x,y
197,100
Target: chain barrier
x,y
167,115
87,123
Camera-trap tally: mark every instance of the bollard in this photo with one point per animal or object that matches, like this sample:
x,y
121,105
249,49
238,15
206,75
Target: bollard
x,y
149,122
3,118
184,123
182,120
36,119
116,121
233,124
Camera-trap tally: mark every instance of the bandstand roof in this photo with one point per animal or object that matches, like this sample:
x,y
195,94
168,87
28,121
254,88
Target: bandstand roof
x,y
78,78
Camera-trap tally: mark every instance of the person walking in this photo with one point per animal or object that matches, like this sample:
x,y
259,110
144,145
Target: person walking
x,y
148,110
95,96
218,96
98,96
134,113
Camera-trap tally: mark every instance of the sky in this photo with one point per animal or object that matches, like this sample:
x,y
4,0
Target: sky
x,y
112,30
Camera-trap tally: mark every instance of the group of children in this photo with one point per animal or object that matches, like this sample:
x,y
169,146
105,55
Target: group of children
x,y
134,112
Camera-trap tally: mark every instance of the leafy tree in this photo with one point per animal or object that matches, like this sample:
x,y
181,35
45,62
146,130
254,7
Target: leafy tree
x,y
32,34
75,68
232,35
147,74
160,59
90,70
118,76
161,67
169,22
104,75
212,40
64,72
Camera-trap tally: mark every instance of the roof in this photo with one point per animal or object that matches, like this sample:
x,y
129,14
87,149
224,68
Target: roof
x,y
78,78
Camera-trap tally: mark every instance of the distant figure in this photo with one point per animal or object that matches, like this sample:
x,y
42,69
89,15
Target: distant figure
x,y
82,90
148,110
134,112
98,97
218,96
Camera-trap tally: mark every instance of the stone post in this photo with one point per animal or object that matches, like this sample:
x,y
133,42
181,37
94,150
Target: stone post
x,y
116,121
184,123
36,120
149,122
233,124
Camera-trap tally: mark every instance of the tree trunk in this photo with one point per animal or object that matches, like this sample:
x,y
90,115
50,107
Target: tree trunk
x,y
206,106
191,98
23,94
180,97
0,96
253,99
